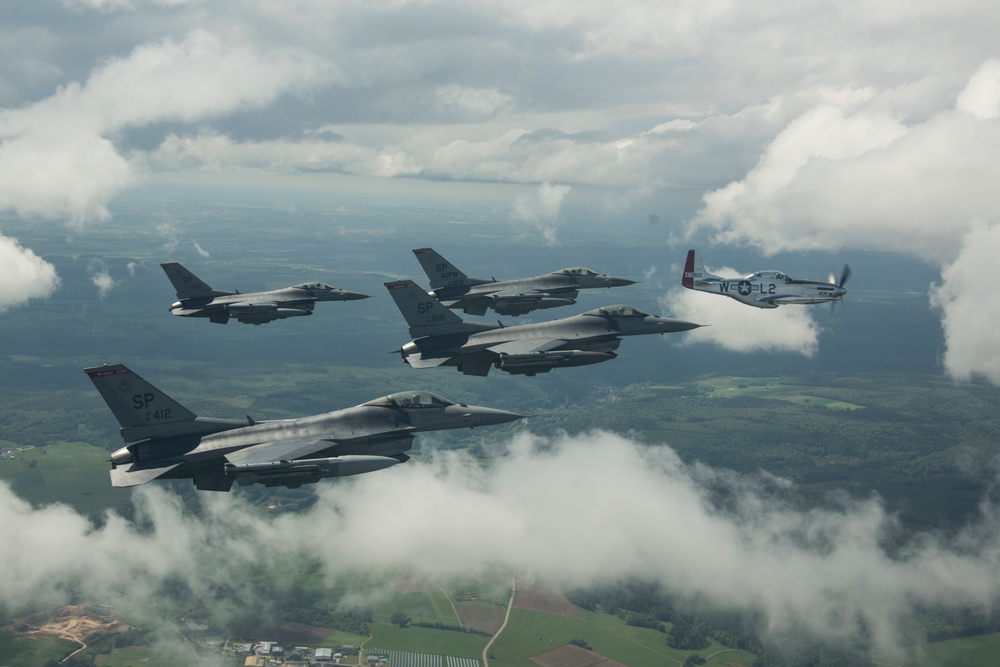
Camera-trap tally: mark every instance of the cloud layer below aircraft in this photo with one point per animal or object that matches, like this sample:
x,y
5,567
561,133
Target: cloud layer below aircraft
x,y
574,510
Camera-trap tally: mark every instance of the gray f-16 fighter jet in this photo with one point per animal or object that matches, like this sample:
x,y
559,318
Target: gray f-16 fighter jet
x,y
508,297
763,289
168,441
441,338
197,299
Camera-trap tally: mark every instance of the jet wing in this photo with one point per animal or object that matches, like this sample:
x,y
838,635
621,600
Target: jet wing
x,y
278,450
527,346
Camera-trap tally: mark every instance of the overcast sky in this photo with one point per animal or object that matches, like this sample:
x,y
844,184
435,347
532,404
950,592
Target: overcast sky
x,y
848,125
816,125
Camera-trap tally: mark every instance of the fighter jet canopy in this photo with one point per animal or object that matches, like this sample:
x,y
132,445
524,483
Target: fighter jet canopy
x,y
577,271
315,286
411,400
617,311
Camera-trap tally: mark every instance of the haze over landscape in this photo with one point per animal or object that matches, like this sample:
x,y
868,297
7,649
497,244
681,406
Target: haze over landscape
x,y
266,144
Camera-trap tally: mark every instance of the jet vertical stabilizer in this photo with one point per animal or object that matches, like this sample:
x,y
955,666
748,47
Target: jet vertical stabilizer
x,y
443,273
143,411
187,284
425,314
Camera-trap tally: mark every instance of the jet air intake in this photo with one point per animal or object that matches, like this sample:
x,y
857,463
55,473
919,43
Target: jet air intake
x,y
530,364
508,306
306,471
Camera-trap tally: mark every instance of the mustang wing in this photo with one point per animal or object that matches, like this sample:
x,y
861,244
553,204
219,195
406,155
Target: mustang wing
x,y
779,299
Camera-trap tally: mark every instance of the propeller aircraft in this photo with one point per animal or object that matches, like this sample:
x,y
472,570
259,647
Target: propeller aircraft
x,y
764,289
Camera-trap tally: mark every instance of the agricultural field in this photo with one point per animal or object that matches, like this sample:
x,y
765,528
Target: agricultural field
x,y
530,633
981,651
18,652
73,473
129,656
772,388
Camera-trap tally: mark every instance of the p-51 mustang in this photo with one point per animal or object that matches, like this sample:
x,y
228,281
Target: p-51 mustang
x,y
165,440
513,297
197,299
763,289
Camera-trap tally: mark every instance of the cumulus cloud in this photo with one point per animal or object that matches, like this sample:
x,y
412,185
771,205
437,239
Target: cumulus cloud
x,y
25,275
836,179
475,101
539,209
741,328
57,155
970,311
102,280
981,97
551,509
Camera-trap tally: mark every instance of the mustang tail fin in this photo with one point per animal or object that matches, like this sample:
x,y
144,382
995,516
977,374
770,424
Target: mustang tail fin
x,y
441,272
142,410
694,270
187,284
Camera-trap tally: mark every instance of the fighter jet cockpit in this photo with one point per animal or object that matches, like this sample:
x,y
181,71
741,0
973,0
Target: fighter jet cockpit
x,y
411,400
315,287
578,271
617,311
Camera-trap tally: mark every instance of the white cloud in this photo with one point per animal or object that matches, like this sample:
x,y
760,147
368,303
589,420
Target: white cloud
x,y
981,97
540,208
477,101
970,310
201,251
57,155
833,180
103,281
25,275
552,509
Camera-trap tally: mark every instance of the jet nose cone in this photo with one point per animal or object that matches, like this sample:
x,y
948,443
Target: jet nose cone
x,y
345,295
668,325
477,416
620,282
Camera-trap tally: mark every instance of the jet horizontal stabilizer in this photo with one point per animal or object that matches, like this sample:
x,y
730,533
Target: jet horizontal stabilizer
x,y
135,475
